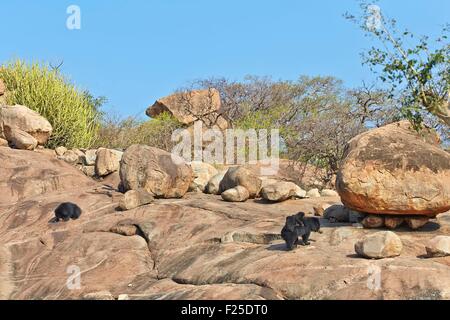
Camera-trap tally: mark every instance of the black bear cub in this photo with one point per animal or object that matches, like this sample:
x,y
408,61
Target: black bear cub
x,y
298,226
66,211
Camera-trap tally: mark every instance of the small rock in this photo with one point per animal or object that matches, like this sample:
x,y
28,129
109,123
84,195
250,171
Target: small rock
x,y
237,194
372,221
438,247
393,222
416,223
3,142
88,170
71,157
107,162
329,193
60,151
19,139
127,230
135,198
89,157
313,193
101,295
384,244
123,297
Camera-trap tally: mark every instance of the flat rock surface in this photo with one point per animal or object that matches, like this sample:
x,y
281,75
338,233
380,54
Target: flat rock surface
x,y
197,247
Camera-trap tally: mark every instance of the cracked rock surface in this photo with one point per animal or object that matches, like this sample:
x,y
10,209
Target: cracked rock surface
x,y
197,247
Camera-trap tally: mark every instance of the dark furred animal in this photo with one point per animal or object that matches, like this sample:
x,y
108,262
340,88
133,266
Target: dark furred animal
x,y
298,226
66,211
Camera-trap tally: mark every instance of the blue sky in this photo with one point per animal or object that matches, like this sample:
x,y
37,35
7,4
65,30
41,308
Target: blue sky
x,y
136,51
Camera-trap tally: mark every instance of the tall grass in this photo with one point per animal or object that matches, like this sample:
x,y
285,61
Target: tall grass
x,y
72,113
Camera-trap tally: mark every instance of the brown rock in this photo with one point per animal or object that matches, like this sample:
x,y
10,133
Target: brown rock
x,y
26,120
203,172
134,199
3,142
127,230
107,161
29,174
101,295
159,172
416,222
384,172
240,176
282,191
188,107
60,151
237,194
173,249
385,244
71,157
313,193
319,210
373,221
392,222
88,170
89,157
328,193
19,139
438,247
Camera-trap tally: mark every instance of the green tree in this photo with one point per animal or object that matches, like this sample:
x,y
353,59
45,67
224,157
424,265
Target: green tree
x,y
416,67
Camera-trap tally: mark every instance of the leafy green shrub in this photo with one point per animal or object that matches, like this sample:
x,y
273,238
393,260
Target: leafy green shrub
x,y
73,113
121,133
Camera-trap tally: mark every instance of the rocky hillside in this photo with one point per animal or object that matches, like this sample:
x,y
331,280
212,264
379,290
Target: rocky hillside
x,y
197,247
156,227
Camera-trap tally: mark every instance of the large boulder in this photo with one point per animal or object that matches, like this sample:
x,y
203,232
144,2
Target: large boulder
x,y
240,176
203,172
26,120
188,107
384,244
162,174
385,170
19,139
281,191
107,161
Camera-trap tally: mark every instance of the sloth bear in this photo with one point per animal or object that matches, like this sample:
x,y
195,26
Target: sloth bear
x,y
66,211
298,226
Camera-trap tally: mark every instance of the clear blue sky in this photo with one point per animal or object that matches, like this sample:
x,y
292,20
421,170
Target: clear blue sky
x,y
136,51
